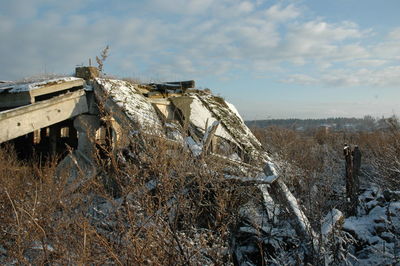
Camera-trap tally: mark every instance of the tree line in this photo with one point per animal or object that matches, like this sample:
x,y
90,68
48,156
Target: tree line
x,y
367,123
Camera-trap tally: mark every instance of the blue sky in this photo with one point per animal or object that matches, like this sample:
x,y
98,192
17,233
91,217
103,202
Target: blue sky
x,y
272,59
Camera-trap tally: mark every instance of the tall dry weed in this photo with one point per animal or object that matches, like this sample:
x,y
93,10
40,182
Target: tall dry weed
x,y
170,209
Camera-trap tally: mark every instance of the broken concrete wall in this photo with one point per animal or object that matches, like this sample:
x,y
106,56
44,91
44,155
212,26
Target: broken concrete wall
x,y
199,116
234,124
128,106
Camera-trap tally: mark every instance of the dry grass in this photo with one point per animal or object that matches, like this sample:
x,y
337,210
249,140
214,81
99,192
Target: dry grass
x,y
156,204
312,162
185,219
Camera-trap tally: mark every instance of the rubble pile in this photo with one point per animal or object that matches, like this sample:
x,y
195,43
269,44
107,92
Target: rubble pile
x,y
376,227
118,134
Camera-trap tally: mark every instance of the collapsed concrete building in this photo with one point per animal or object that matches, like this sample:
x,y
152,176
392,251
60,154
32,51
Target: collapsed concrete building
x,y
43,109
86,112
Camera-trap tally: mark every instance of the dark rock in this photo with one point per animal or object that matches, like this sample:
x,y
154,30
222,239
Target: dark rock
x,y
380,228
391,195
381,200
388,237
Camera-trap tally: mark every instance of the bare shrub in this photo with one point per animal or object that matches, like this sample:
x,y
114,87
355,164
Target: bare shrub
x,y
170,210
313,166
381,155
103,56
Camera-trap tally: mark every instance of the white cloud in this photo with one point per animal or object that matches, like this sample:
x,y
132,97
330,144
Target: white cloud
x,y
279,13
193,38
300,79
351,52
245,7
368,63
319,42
394,34
323,32
389,50
20,9
381,78
179,6
5,24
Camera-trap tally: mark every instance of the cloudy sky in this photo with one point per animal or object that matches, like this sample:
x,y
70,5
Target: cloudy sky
x,y
272,59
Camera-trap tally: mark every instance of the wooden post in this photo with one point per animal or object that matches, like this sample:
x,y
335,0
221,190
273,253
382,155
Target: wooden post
x,y
352,166
349,169
356,164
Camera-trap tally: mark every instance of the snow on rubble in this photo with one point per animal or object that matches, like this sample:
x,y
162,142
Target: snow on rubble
x,y
133,104
376,228
22,87
200,116
233,123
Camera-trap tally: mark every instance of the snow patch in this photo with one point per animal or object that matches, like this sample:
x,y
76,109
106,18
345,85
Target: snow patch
x,y
330,221
193,146
134,104
18,88
234,110
233,124
200,116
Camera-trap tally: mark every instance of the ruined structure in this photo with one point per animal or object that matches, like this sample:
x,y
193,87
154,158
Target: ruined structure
x,y
86,111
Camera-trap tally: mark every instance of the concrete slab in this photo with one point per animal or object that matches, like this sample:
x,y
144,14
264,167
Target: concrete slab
x,y
128,106
23,120
14,95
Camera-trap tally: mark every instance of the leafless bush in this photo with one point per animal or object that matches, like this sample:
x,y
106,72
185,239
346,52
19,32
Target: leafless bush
x,y
382,155
169,210
312,162
103,56
311,165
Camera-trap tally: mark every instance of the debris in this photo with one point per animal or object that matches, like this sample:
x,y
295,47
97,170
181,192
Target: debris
x,y
87,72
208,136
130,114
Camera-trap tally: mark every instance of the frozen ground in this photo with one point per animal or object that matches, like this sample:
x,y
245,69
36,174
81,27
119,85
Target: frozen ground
x,y
376,227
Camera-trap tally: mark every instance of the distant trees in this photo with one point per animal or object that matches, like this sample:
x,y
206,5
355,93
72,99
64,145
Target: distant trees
x,y
367,123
